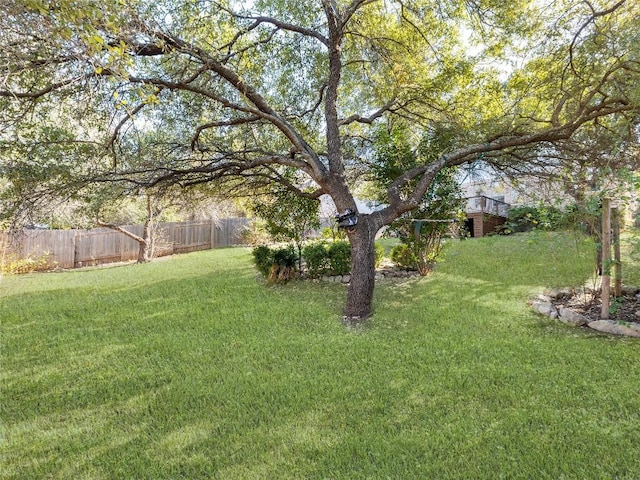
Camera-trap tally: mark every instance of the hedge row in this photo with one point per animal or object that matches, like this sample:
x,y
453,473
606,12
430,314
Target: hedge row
x,y
321,258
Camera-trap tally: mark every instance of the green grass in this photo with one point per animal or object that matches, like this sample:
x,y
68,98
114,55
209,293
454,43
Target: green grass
x,y
191,368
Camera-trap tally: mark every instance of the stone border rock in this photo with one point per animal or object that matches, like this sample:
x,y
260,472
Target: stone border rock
x,y
543,304
381,274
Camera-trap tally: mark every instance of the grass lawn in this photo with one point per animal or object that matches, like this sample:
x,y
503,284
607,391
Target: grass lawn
x,y
191,368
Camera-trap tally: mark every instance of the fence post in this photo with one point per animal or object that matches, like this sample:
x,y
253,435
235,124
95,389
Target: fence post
x,y
606,258
75,250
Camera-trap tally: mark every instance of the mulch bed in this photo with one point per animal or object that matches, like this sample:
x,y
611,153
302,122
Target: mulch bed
x,y
622,309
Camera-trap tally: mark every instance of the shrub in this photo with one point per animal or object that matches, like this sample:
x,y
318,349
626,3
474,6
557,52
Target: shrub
x,y
402,255
263,259
283,268
333,233
285,256
525,219
320,258
277,265
340,258
317,258
335,258
13,265
379,254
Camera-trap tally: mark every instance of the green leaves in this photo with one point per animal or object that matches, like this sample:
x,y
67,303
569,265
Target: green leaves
x,y
288,216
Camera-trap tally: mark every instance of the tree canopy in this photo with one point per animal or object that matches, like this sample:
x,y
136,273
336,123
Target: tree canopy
x,y
291,92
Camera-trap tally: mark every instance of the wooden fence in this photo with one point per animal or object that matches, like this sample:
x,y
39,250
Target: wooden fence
x,y
78,248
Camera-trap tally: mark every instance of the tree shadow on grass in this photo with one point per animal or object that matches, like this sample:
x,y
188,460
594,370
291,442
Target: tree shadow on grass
x,y
98,378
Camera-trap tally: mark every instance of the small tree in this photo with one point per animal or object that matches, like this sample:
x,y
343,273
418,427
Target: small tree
x,y
440,212
288,217
421,230
146,242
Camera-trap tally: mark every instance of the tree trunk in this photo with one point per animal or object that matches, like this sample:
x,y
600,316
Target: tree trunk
x,y
145,244
363,271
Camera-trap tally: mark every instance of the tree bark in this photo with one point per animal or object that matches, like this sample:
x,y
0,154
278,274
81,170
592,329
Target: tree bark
x,y
143,250
145,244
363,271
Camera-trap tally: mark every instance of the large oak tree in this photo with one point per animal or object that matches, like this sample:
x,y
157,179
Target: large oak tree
x,y
252,94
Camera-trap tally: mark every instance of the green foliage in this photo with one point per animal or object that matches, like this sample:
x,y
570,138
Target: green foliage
x,y
393,155
263,259
333,233
276,264
379,253
527,218
316,256
287,217
334,258
398,149
630,246
284,265
441,205
9,264
339,258
403,256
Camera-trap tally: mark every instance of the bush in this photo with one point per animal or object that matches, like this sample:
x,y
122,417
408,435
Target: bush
x,y
277,265
335,258
285,257
13,265
320,258
283,268
317,258
525,219
263,259
379,254
340,258
402,255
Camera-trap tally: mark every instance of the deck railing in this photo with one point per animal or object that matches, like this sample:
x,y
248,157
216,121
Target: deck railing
x,y
482,204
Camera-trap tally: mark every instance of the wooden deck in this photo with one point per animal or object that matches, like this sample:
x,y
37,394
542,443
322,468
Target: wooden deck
x,y
485,215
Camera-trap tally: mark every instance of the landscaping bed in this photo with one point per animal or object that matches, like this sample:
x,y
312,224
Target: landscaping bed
x,y
583,307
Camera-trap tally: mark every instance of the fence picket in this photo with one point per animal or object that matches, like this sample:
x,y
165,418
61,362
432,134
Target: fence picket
x,y
77,248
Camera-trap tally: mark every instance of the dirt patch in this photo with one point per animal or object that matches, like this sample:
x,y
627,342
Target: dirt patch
x,y
625,308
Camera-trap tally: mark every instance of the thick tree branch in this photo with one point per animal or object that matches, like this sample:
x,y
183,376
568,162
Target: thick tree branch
x,y
286,26
122,123
426,173
262,107
334,144
124,231
280,24
352,8
371,118
222,123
